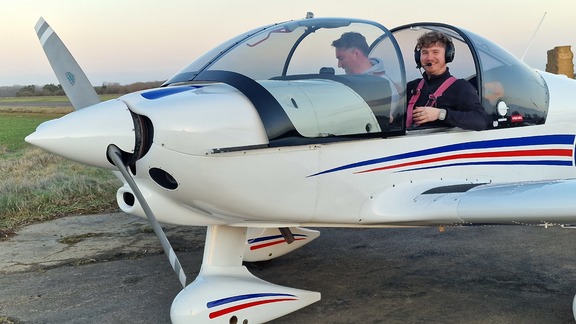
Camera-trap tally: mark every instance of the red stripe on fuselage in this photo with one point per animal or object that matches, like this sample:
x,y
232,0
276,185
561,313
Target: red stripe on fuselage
x,y
261,246
247,305
545,152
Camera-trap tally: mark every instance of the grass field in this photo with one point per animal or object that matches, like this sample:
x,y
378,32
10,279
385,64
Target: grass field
x,y
14,126
37,185
46,99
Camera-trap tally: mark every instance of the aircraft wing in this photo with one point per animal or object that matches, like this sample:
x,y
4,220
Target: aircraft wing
x,y
433,203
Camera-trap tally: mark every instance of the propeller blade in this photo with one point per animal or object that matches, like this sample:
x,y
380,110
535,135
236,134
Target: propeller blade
x,y
76,85
115,155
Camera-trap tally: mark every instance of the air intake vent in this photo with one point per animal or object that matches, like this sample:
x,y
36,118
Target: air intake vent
x,y
163,178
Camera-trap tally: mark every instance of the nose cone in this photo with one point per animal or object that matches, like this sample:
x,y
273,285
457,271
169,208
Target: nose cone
x,y
84,135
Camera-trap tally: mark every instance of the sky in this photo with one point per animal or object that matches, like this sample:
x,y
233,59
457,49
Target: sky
x,y
128,41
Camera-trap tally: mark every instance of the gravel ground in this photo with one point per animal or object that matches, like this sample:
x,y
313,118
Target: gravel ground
x,y
110,269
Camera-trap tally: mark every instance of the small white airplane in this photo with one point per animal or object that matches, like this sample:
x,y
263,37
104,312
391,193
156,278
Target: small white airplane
x,y
263,135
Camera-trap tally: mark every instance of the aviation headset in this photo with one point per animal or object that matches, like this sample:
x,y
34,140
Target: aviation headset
x,y
448,55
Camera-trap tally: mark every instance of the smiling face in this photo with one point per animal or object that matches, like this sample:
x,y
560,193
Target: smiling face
x,y
435,55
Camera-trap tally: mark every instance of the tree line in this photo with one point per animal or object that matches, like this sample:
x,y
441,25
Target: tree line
x,y
56,90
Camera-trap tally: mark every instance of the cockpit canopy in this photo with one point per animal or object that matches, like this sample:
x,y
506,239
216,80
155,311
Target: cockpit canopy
x,y
293,65
512,93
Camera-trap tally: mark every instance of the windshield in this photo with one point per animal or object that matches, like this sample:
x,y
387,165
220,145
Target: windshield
x,y
297,60
513,93
295,47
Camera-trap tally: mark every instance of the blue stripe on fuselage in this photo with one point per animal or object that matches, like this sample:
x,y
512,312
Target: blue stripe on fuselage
x,y
559,139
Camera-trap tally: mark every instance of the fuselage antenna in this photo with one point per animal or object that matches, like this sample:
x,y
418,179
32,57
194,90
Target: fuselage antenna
x,y
532,38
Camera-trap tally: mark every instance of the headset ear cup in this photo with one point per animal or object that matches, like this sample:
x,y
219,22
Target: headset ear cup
x,y
449,57
417,58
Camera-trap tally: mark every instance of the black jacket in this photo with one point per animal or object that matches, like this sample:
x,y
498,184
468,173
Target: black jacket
x,y
461,101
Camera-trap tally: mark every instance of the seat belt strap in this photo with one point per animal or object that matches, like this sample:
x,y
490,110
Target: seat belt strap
x,y
431,99
412,102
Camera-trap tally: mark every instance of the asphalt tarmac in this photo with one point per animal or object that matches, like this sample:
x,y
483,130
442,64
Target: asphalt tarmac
x,y
110,269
